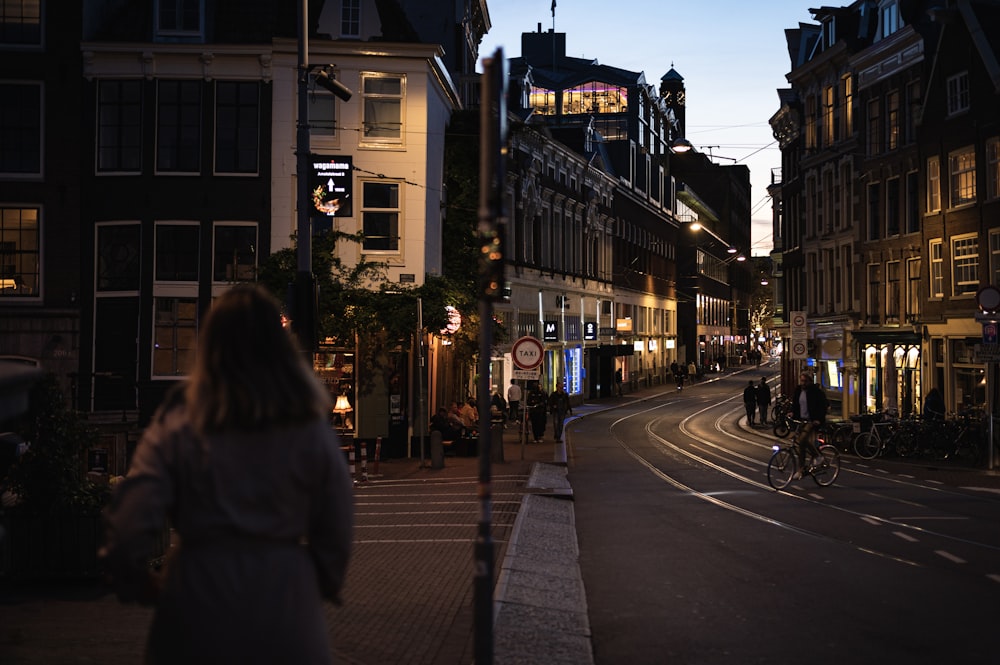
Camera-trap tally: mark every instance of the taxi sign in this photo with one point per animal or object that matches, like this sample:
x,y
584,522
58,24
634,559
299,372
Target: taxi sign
x,y
527,353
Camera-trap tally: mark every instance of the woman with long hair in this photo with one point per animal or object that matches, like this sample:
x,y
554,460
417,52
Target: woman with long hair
x,y
244,465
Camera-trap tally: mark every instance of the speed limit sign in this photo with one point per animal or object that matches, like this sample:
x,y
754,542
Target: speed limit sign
x,y
798,349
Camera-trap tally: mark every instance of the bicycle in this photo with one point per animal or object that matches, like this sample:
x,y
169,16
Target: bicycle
x,y
874,442
784,463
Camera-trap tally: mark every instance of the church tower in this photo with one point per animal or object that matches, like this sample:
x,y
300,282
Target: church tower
x,y
672,92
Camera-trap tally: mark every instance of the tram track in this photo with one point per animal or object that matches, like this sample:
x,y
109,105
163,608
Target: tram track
x,y
744,467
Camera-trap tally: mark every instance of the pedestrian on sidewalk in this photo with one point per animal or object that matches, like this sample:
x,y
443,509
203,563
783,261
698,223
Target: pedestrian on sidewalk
x,y
242,462
498,407
514,400
536,412
559,407
618,381
750,402
763,399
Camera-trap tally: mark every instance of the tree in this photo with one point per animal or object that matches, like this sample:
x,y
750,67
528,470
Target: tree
x,y
49,477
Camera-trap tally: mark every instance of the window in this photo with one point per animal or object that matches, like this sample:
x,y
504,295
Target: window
x,y
350,18
893,295
178,17
888,18
936,269
912,203
965,264
829,122
874,208
995,257
380,213
912,109
962,173
234,254
117,257
892,121
175,297
20,252
892,207
21,22
382,108
20,129
175,335
811,139
874,128
237,121
176,253
914,298
119,126
958,93
847,117
933,184
178,126
993,168
873,293
322,108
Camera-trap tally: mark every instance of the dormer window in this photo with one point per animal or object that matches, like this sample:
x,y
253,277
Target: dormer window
x,y
888,18
179,18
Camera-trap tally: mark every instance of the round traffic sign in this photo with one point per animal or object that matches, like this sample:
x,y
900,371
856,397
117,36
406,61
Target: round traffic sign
x,y
988,298
798,320
798,348
527,353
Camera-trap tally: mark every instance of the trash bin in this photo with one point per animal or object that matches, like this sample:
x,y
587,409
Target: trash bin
x,y
437,450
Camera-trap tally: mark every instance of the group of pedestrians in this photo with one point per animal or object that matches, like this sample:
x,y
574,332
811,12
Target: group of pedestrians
x,y
757,397
538,406
683,373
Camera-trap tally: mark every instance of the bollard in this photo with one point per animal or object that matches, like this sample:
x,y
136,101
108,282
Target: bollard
x,y
496,441
350,461
364,461
378,455
437,450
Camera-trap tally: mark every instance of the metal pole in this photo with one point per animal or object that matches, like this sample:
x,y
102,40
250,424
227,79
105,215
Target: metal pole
x,y
420,377
303,298
991,373
492,128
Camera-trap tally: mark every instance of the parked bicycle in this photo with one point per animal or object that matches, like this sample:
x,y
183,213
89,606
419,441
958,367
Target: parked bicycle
x,y
781,408
879,437
824,467
782,423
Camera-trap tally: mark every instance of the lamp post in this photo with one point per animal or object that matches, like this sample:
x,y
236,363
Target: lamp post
x,y
302,300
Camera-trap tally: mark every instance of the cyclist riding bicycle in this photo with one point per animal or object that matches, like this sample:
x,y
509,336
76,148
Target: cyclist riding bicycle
x,y
809,404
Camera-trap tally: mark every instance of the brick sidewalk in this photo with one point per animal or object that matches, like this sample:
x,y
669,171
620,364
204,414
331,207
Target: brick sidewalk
x,y
408,597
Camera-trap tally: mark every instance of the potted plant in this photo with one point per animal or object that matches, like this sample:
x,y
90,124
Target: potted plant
x,y
51,511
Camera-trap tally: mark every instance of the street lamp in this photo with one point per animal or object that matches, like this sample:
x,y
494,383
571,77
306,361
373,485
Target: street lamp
x,y
303,293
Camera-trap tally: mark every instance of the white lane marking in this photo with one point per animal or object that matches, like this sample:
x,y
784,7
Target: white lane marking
x,y
983,489
813,495
871,520
994,577
948,555
390,541
905,536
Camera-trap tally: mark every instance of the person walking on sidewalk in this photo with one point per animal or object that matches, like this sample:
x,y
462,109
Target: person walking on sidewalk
x,y
750,402
536,412
559,407
618,381
763,399
514,401
243,463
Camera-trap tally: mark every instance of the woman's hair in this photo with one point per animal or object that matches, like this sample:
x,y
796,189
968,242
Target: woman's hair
x,y
249,373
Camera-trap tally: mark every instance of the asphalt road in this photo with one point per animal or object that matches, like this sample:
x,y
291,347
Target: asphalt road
x,y
688,556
